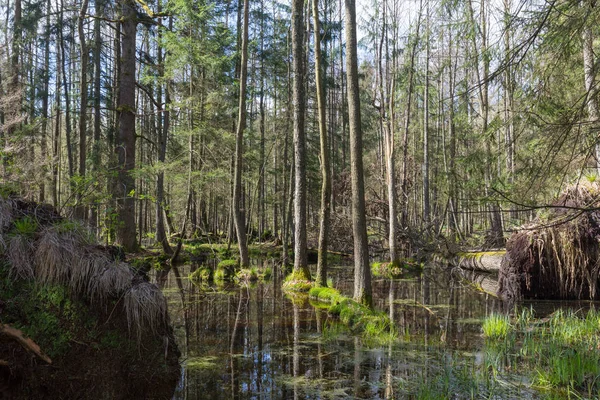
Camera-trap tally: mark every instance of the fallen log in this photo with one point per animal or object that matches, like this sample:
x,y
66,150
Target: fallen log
x,y
25,342
488,261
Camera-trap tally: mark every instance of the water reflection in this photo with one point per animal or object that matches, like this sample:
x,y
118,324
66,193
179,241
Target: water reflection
x,y
256,343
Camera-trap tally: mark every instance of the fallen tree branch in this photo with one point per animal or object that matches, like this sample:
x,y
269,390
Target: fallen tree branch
x,y
26,343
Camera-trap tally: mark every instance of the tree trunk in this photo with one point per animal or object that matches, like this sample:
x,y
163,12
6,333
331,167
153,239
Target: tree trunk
x,y
590,87
298,54
67,87
362,272
80,208
325,167
46,83
426,202
163,134
97,100
238,211
124,189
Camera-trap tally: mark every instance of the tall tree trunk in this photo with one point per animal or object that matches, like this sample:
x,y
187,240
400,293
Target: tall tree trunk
x,y
362,272
238,211
124,189
97,100
426,202
46,84
411,74
325,167
56,136
590,86
298,54
80,208
163,134
13,117
67,88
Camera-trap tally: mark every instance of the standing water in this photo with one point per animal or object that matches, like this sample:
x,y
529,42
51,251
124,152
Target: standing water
x,y
256,342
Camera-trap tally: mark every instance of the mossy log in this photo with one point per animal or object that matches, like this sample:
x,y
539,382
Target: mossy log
x,y
488,261
558,256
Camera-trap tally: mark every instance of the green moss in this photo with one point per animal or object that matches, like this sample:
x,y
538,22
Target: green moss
x,y
395,270
202,274
266,274
359,318
202,363
157,262
247,275
223,275
229,263
297,281
325,295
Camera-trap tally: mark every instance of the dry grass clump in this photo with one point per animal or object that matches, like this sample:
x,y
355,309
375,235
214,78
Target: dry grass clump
x,y
41,245
146,308
19,253
54,255
110,280
558,257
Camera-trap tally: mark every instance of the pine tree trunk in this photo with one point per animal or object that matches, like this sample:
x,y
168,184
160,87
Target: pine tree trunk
x,y
124,189
80,208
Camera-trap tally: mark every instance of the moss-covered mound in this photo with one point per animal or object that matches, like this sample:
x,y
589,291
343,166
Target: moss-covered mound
x,y
102,325
557,257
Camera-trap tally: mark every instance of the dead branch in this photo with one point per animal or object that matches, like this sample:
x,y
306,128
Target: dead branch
x,y
26,343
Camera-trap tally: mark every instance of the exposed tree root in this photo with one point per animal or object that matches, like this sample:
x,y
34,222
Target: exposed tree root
x,y
558,257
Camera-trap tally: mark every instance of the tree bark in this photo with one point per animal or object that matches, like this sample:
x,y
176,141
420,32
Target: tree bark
x,y
80,208
163,134
43,133
325,167
298,53
362,272
590,87
124,189
97,100
238,211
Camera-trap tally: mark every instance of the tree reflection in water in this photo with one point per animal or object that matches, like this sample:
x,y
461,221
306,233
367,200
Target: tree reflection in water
x,y
255,343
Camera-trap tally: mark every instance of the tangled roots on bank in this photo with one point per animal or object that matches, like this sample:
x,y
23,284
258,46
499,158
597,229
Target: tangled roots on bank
x,y
558,257
58,251
146,308
19,254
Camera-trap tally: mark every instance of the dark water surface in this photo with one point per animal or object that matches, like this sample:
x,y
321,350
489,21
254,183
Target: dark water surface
x,y
256,343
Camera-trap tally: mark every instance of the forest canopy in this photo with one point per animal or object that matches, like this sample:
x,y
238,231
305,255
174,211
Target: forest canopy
x,y
127,115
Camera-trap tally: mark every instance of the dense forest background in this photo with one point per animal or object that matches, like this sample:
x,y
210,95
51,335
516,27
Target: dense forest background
x,y
474,114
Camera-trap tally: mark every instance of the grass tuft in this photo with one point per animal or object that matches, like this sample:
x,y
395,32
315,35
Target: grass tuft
x,y
496,327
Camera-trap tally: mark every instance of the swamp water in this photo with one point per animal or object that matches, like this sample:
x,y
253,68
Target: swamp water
x,y
256,342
